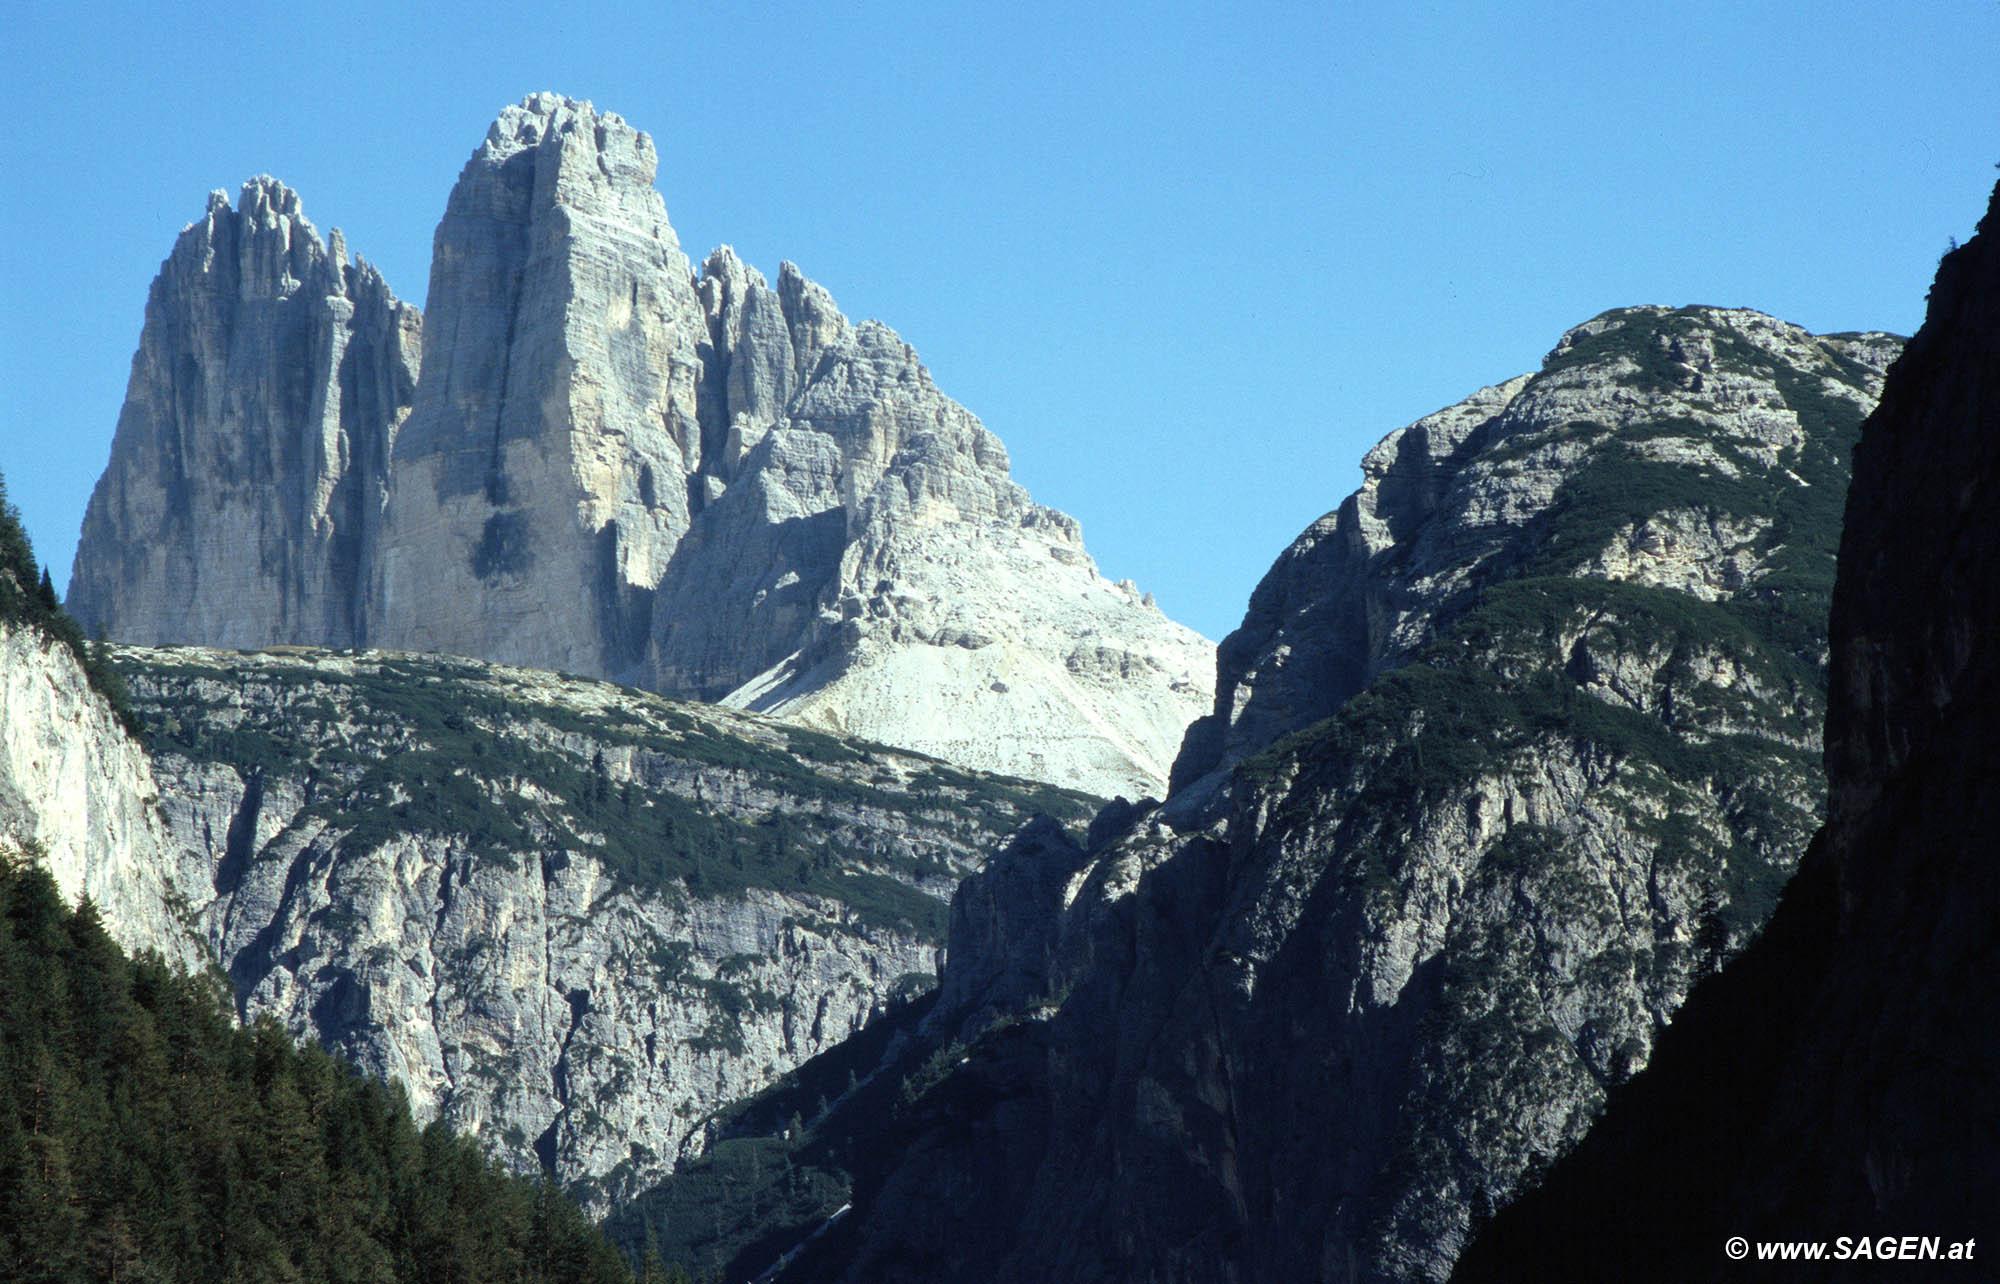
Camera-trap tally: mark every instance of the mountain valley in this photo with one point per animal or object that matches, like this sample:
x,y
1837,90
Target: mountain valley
x,y
620,740
1512,749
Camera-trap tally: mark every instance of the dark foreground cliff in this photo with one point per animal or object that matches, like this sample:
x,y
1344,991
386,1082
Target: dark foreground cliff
x,y
1838,1078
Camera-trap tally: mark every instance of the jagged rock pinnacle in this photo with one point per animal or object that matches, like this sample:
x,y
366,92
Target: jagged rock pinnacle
x,y
706,484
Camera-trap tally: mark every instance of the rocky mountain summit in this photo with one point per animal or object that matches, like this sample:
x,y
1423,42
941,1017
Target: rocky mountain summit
x,y
1512,749
607,462
247,475
1688,406
570,918
1836,1079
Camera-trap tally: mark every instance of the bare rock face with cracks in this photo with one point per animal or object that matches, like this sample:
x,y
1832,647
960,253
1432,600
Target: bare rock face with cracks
x,y
79,797
571,918
244,494
607,462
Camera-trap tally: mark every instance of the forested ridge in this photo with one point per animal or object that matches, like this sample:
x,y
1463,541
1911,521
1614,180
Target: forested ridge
x,y
143,1137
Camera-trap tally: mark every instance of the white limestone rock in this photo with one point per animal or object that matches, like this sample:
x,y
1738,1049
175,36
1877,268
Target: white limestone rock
x,y
79,795
529,956
874,570
705,485
542,481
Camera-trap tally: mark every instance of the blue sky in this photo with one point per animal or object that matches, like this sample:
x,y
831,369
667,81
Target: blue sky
x,y
1188,261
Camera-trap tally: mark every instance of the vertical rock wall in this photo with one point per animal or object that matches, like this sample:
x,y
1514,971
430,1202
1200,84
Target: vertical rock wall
x,y
247,477
543,480
706,485
77,794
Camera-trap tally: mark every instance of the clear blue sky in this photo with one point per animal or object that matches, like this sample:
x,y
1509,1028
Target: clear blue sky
x,y
1188,261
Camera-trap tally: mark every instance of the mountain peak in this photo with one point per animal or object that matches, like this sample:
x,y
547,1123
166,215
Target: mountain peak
x,y
600,146
708,485
269,378
264,198
265,246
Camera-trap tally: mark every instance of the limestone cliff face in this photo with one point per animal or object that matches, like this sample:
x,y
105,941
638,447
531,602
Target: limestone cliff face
x,y
872,569
79,795
726,490
611,465
1836,1079
246,480
542,481
571,918
1546,696
1437,517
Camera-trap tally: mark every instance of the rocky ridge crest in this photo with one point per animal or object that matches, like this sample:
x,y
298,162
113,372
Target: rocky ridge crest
x,y
1835,1079
1440,514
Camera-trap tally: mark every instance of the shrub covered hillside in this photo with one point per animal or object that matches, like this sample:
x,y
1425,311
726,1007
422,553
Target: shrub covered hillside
x,y
145,1138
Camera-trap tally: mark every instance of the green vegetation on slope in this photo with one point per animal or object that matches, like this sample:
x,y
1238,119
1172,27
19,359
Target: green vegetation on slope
x,y
145,1138
1728,709
1801,499
436,746
1691,729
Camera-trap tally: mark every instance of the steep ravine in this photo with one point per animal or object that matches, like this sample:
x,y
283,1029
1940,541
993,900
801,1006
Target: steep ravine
x,y
573,919
1511,751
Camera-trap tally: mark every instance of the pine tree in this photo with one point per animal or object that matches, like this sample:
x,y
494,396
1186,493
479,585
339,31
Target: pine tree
x,y
143,1137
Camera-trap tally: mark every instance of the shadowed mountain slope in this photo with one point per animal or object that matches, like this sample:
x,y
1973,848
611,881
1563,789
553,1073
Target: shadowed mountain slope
x,y
1837,1079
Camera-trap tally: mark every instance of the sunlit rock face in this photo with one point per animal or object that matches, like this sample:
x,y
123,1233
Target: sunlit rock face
x,y
542,480
571,918
79,795
1834,1080
610,464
